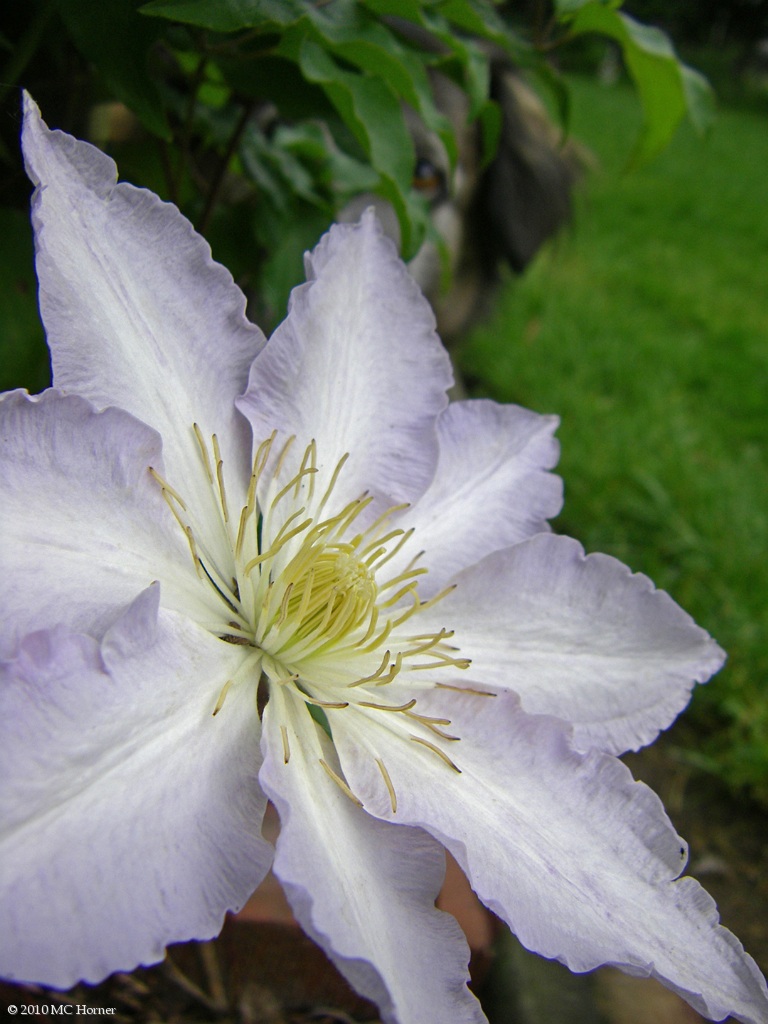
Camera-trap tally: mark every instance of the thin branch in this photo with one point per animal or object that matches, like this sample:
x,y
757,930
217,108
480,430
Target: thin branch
x,y
218,181
186,127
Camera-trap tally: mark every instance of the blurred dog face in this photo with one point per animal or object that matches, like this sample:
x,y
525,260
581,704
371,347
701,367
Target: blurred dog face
x,y
485,217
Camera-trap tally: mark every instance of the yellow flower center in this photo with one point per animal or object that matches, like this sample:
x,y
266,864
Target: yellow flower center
x,y
310,595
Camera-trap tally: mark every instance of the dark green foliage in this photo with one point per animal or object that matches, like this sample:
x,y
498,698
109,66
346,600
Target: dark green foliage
x,y
202,79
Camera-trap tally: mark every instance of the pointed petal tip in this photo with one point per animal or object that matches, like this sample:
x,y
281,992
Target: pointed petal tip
x,y
362,313
32,124
30,109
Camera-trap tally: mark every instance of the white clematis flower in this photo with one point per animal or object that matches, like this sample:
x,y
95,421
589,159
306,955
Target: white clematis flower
x,y
335,592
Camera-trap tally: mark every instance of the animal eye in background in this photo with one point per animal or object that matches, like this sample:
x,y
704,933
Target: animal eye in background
x,y
429,180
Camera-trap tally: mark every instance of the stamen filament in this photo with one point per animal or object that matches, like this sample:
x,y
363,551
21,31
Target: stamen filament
x,y
396,550
309,460
416,606
279,542
410,575
260,460
376,675
306,596
374,618
381,542
230,604
284,606
379,639
399,596
432,724
282,456
244,516
438,597
377,522
294,482
394,668
429,643
199,567
332,484
220,478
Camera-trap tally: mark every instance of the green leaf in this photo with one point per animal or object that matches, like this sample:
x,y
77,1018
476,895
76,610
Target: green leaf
x,y
320,717
229,15
466,63
479,18
278,79
350,33
559,92
565,7
277,171
666,91
700,98
409,10
372,112
340,175
412,215
111,35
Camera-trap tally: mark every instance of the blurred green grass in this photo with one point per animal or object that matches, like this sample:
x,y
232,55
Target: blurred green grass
x,y
646,329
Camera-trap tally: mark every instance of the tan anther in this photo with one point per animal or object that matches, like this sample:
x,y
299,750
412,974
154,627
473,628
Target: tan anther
x,y
388,707
340,783
465,689
436,750
167,488
222,697
388,784
203,451
335,705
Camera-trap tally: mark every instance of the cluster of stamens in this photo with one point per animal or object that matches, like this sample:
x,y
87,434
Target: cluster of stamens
x,y
308,595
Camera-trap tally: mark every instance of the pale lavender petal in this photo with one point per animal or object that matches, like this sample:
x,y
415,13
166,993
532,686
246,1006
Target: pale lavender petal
x,y
491,488
131,816
576,856
357,367
84,526
578,637
137,313
363,889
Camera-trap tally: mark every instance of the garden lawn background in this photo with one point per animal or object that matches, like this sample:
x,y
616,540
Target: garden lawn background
x,y
646,330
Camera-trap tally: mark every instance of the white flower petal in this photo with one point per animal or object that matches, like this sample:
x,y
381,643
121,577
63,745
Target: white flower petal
x,y
137,313
357,367
578,637
578,858
84,526
131,817
491,488
363,889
